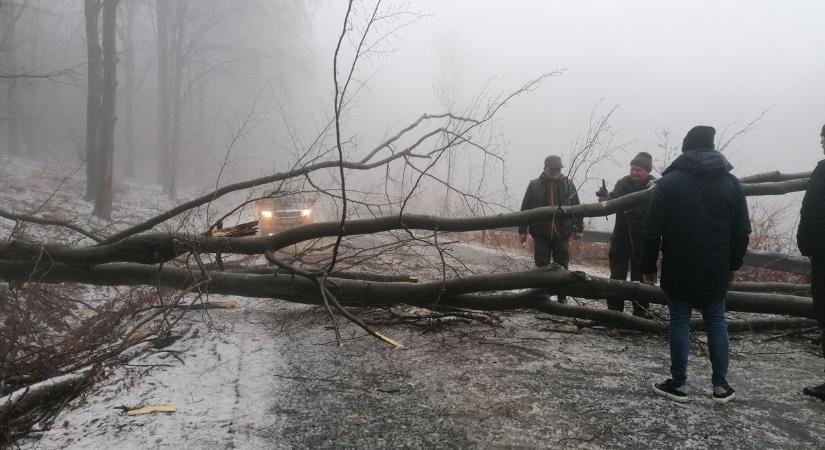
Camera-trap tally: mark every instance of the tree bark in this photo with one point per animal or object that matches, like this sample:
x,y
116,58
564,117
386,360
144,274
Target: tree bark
x,y
106,147
9,47
127,38
93,94
774,176
756,258
163,13
780,288
178,62
23,400
366,293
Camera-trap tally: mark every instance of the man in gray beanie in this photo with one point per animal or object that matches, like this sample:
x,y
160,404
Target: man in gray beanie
x,y
551,239
698,217
625,252
810,237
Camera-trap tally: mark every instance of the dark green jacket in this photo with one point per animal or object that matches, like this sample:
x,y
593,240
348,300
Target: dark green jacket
x,y
811,233
538,194
626,240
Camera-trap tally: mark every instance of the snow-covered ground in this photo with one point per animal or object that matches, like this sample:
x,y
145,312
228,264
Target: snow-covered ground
x,y
268,374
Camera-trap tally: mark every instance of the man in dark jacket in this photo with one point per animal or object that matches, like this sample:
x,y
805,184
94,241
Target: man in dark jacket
x,y
551,239
698,216
811,240
626,241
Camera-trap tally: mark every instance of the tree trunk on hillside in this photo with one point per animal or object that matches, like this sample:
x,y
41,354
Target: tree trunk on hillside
x,y
93,94
8,46
31,100
106,147
178,62
127,39
163,11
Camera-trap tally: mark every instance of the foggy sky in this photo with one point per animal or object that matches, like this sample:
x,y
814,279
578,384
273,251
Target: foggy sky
x,y
666,65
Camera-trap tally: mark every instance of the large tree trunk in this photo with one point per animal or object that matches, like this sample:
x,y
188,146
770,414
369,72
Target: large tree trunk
x,y
366,293
127,38
106,147
178,61
799,265
30,100
9,48
30,397
163,9
93,95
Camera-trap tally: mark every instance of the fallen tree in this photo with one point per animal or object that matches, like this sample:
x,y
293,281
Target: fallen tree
x,y
198,262
353,292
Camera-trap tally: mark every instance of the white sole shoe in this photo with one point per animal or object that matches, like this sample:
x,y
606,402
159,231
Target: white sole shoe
x,y
670,396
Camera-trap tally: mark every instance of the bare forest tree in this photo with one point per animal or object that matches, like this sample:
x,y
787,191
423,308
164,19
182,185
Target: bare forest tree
x,y
100,102
183,28
126,34
10,15
94,55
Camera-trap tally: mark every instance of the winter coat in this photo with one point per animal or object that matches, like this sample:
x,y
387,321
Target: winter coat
x,y
626,240
810,236
699,215
540,193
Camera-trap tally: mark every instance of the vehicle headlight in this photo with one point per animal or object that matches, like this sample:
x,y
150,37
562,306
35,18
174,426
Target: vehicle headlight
x,y
306,212
267,214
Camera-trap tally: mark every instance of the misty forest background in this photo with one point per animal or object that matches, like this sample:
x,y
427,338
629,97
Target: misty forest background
x,y
185,93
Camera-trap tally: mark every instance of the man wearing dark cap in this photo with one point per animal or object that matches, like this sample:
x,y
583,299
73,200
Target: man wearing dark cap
x,y
551,239
698,217
810,237
626,241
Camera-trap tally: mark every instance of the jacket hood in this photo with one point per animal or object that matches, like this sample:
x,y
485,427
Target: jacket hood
x,y
703,162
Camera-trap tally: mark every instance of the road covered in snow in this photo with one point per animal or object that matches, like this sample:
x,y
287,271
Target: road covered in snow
x,y
269,374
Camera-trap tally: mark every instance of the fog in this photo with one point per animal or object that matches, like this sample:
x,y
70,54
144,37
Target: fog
x,y
672,67
259,81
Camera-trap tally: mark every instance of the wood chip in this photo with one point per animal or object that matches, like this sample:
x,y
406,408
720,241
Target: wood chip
x,y
152,409
390,341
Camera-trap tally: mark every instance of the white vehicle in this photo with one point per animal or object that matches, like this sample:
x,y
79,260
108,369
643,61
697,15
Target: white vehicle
x,y
278,214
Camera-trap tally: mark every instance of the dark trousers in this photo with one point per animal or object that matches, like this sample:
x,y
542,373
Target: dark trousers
x,y
620,263
557,250
818,292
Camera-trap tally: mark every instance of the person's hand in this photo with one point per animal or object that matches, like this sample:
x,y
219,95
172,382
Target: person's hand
x,y
731,277
649,278
577,235
522,238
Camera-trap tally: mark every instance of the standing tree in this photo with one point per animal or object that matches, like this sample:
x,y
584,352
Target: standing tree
x,y
106,147
125,32
10,14
93,93
100,103
163,10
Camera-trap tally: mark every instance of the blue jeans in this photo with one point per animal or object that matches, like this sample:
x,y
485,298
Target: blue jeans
x,y
713,312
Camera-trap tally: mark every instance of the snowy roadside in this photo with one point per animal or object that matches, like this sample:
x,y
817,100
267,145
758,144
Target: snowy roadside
x,y
268,374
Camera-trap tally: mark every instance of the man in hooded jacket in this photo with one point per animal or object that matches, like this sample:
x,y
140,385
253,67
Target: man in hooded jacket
x,y
551,239
698,217
810,237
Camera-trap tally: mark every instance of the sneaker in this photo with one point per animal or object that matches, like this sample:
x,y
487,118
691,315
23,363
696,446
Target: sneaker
x,y
815,391
667,390
723,395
